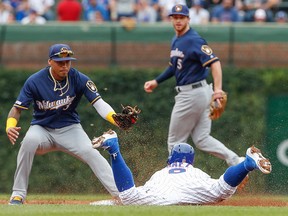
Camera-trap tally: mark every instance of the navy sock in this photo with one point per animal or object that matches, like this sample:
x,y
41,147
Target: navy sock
x,y
122,174
234,175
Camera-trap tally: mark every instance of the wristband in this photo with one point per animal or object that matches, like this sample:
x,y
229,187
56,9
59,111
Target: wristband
x,y
11,122
110,118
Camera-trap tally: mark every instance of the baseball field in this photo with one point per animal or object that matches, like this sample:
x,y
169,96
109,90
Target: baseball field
x,y
239,204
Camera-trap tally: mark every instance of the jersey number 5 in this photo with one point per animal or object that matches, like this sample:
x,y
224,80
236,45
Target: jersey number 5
x,y
179,63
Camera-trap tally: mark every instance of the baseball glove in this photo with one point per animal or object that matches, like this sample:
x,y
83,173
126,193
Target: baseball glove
x,y
127,117
217,105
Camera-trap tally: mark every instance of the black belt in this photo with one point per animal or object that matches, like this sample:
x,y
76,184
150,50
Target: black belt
x,y
193,86
196,85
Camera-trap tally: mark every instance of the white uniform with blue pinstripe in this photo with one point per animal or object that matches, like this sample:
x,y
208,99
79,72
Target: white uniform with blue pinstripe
x,y
178,183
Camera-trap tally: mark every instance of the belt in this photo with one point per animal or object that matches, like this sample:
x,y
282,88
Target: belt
x,y
191,86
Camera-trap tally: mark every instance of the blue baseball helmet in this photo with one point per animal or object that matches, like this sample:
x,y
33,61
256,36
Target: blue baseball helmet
x,y
181,152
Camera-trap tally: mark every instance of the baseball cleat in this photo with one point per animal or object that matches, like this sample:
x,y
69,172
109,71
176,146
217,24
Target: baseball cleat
x,y
16,200
258,160
108,141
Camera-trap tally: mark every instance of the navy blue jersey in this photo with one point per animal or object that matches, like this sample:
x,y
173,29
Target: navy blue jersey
x,y
190,58
55,102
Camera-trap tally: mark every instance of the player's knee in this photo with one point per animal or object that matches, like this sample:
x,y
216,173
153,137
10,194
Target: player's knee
x,y
202,143
86,154
31,142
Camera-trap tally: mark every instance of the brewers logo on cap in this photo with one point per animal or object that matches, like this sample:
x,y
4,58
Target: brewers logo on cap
x,y
178,8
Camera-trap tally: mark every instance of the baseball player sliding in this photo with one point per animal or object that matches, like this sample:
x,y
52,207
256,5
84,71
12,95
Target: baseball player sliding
x,y
190,58
55,92
179,182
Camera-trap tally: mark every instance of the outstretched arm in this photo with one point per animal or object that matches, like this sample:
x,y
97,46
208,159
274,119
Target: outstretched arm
x,y
150,85
105,110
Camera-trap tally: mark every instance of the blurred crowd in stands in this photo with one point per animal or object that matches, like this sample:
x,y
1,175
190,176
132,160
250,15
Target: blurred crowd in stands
x,y
141,11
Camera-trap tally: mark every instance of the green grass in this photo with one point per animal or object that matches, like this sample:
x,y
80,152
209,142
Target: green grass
x,y
85,209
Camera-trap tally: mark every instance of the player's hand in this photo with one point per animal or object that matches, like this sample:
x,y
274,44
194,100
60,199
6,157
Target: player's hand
x,y
13,133
217,96
150,85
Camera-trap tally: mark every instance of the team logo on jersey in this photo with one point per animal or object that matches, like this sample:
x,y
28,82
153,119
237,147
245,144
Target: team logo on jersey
x,y
91,86
206,49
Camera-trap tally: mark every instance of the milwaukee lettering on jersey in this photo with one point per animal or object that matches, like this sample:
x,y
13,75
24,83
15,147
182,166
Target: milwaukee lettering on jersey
x,y
53,105
176,53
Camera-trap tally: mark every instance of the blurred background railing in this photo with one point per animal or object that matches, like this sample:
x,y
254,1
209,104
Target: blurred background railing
x,y
141,46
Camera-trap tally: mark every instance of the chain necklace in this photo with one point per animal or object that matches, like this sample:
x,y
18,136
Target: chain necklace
x,y
57,83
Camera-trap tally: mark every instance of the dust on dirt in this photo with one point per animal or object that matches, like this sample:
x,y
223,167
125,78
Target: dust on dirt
x,y
240,200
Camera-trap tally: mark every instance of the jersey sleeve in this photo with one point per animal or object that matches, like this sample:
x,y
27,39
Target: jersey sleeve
x,y
25,96
89,89
203,53
169,72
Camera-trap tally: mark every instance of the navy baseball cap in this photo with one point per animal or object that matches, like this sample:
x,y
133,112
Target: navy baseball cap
x,y
180,10
61,52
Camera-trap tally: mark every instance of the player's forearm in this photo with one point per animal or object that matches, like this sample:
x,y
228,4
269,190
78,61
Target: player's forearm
x,y
13,117
216,71
104,110
169,72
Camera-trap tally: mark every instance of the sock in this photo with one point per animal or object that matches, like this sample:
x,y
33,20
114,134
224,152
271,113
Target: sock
x,y
249,164
234,175
122,174
114,146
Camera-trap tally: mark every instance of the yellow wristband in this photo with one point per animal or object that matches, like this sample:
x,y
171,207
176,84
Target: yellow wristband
x,y
11,122
110,119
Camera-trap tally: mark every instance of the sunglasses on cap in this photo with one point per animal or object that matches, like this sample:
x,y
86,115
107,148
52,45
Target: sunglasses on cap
x,y
63,54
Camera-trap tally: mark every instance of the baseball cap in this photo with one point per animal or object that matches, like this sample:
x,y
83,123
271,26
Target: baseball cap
x,y
260,14
61,52
180,10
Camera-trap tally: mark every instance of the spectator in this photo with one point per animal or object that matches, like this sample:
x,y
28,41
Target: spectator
x,y
264,4
86,4
22,10
33,18
262,15
146,12
43,8
155,4
281,17
13,3
69,10
6,15
198,15
250,7
224,12
123,9
98,18
96,12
